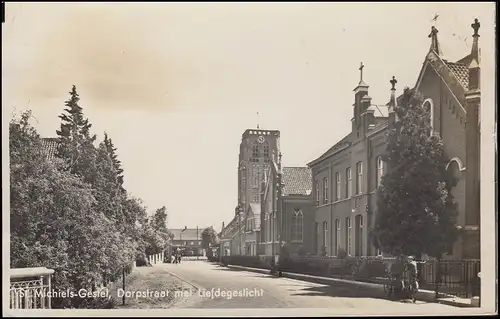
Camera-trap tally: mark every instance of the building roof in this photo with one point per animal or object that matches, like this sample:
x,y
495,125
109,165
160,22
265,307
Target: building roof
x,y
49,146
380,110
460,71
297,181
188,234
332,150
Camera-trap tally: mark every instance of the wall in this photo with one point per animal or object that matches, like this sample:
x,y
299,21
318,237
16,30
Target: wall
x,y
304,204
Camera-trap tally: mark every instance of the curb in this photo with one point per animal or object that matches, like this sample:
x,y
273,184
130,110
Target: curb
x,y
185,299
422,295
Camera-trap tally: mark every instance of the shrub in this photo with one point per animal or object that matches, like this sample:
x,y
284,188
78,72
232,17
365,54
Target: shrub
x,y
302,251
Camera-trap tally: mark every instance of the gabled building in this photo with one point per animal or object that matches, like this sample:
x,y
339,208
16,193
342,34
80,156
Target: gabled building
x,y
287,209
188,240
346,177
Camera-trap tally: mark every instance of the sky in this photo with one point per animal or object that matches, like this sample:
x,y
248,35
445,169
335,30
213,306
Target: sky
x,y
176,84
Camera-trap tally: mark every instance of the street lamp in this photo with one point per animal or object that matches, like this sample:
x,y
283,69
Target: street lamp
x,y
238,211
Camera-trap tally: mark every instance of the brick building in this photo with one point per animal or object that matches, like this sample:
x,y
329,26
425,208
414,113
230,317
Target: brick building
x,y
288,215
188,240
256,148
346,177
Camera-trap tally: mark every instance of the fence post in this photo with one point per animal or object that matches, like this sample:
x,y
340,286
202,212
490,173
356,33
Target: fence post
x,y
437,278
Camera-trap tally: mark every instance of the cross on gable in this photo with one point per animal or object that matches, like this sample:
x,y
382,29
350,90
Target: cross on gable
x,y
476,26
393,82
361,72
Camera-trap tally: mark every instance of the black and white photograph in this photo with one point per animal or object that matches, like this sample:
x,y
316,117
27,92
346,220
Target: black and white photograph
x,y
249,159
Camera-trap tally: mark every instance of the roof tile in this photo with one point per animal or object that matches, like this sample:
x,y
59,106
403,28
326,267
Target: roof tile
x,y
461,72
49,147
298,181
188,234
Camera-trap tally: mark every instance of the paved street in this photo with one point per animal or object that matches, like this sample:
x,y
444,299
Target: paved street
x,y
283,292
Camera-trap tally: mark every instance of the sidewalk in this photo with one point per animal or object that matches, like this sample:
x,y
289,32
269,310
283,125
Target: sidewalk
x,y
423,295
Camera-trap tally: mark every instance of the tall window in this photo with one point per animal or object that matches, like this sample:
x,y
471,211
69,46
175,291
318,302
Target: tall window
x,y
266,152
325,190
429,107
297,225
359,174
380,170
348,183
317,193
337,236
359,235
325,234
348,236
255,152
337,189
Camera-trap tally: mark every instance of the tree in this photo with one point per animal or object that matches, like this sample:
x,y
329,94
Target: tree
x,y
416,213
114,158
75,145
208,237
53,223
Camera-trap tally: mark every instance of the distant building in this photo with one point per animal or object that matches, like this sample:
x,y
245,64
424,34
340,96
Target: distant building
x,y
346,177
188,240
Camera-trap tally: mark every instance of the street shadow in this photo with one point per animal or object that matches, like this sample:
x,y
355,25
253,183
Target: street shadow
x,y
344,291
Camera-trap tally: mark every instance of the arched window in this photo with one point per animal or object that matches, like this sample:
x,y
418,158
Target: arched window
x,y
297,225
455,166
429,106
255,152
380,170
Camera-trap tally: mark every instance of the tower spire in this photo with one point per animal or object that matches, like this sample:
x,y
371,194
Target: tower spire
x,y
434,41
392,101
258,120
475,42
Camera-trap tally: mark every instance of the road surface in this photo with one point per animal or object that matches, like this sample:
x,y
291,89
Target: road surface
x,y
264,291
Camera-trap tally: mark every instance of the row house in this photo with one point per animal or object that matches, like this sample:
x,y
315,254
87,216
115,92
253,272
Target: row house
x,y
346,177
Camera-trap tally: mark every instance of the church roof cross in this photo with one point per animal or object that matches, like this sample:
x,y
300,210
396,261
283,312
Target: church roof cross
x,y
361,72
475,26
393,82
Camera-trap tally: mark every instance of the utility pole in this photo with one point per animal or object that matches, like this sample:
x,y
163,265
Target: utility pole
x,y
198,240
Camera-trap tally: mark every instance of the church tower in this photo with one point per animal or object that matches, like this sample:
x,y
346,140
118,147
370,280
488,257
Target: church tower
x,y
256,151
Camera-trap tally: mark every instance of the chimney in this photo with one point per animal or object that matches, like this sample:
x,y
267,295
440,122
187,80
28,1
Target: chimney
x,y
367,114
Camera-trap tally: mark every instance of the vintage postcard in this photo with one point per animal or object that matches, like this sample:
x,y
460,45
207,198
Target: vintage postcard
x,y
249,159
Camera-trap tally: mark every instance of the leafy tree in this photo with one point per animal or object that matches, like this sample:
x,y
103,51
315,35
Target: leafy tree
x,y
53,222
208,237
75,145
416,213
159,220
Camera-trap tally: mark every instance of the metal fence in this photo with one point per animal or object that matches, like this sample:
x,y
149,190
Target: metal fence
x,y
30,288
451,277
